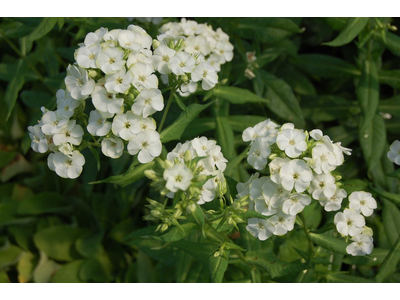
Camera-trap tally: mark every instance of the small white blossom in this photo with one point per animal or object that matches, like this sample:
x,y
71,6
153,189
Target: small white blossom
x,y
363,201
362,245
323,186
292,141
148,102
258,154
78,82
349,222
112,147
394,153
295,204
115,82
98,125
296,174
110,60
207,74
39,141
333,203
68,166
147,143
259,228
178,177
86,56
161,59
105,101
72,134
282,223
182,63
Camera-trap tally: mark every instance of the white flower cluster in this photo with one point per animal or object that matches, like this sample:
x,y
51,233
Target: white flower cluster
x,y
201,54
213,164
394,152
351,223
115,70
300,167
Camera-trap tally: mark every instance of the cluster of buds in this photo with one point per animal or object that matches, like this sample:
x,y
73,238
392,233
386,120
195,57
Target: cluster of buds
x,y
300,167
167,217
251,65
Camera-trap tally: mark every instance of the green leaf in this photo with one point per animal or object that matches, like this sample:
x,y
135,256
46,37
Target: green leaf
x,y
43,203
15,85
389,264
267,29
392,41
197,217
35,99
376,258
217,267
96,269
45,269
391,106
60,23
9,71
69,273
175,130
368,91
345,278
225,137
9,255
197,127
6,157
325,66
176,234
183,266
26,266
353,27
391,221
390,77
96,155
252,214
237,95
299,83
336,245
395,198
372,137
271,264
58,242
283,101
43,28
132,175
201,251
395,174
89,245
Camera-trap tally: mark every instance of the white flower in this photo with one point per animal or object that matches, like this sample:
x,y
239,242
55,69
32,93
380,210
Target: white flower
x,y
148,102
187,88
78,82
295,204
182,63
72,134
362,201
258,154
264,194
296,174
127,40
112,147
197,44
110,60
275,167
216,158
66,148
98,125
68,166
141,37
143,77
144,56
147,143
333,203
179,152
207,192
207,73
161,58
105,101
224,49
323,160
115,82
362,245
178,177
282,223
95,37
124,127
66,103
39,141
349,222
243,188
259,228
250,133
86,56
202,145
394,153
292,141
323,186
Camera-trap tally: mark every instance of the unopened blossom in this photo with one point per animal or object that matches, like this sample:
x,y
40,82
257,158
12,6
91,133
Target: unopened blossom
x,y
296,174
349,222
105,101
72,134
112,147
394,153
323,186
66,148
258,154
148,102
78,82
295,203
333,203
292,141
39,141
98,125
68,166
259,228
161,59
282,223
363,201
147,143
110,60
207,74
178,177
362,245
182,63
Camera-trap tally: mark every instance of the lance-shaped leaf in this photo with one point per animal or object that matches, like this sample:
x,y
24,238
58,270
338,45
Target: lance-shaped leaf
x,y
391,41
217,267
389,264
14,87
43,28
237,95
353,27
175,234
368,90
175,130
336,245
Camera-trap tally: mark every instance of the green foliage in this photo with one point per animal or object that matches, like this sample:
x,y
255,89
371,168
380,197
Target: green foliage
x,y
340,75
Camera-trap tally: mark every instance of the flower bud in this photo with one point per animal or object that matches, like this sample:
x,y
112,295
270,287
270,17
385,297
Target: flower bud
x,y
338,177
156,213
188,155
93,73
367,231
178,45
171,44
184,78
150,174
272,156
156,43
164,227
191,208
217,253
168,164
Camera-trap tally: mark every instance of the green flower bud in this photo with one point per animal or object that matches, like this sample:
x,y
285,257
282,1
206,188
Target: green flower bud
x,y
179,45
191,208
156,213
150,174
164,227
168,164
272,156
217,253
188,155
156,43
184,78
93,73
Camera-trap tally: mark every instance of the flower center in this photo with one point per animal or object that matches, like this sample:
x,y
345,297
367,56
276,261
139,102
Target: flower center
x,y
321,185
292,142
68,134
205,72
204,148
127,125
182,64
111,60
142,78
362,202
92,56
178,178
165,58
100,121
295,176
359,244
281,219
147,101
257,153
109,96
145,144
79,82
349,222
119,80
295,200
260,225
144,126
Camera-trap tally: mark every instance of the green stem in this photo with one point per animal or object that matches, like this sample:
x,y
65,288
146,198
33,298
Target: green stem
x,y
171,96
312,249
